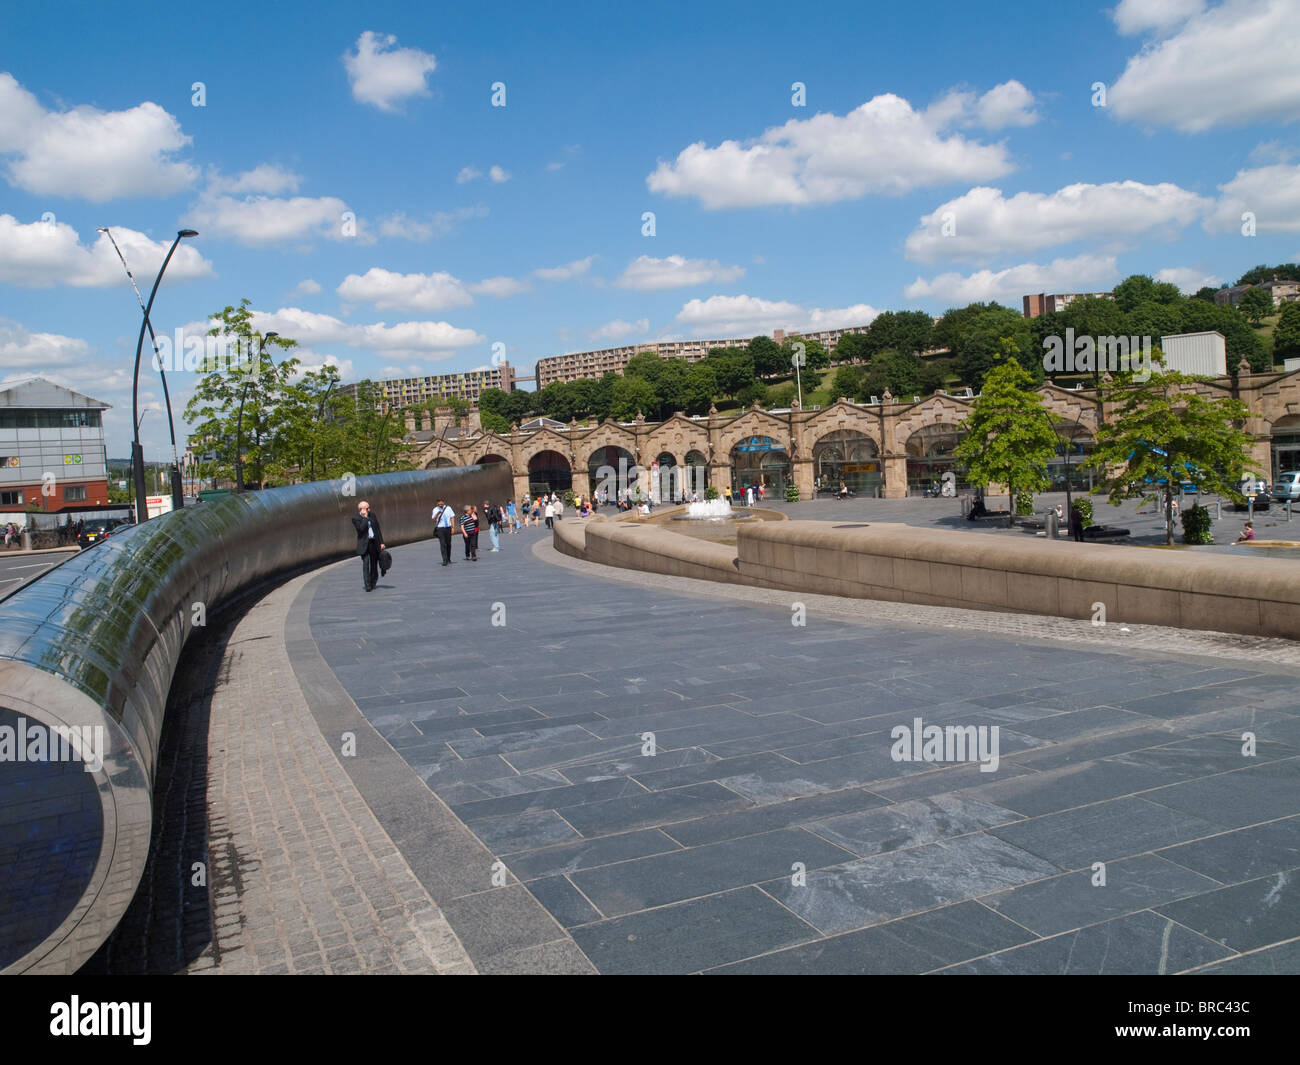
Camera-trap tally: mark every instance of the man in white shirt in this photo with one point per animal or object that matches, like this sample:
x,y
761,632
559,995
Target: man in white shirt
x,y
443,519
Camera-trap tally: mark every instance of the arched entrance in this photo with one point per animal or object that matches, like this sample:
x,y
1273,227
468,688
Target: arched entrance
x,y
929,456
549,471
667,477
760,460
850,457
696,470
440,463
609,470
1286,444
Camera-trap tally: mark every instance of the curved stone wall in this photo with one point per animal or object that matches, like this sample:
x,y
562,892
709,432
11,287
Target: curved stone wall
x,y
87,655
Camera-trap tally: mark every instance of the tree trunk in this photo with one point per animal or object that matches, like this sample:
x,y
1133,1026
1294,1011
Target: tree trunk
x,y
1169,513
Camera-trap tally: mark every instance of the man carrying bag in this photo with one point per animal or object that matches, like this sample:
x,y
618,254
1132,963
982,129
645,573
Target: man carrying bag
x,y
443,519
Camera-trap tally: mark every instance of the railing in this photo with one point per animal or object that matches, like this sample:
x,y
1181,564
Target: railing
x,y
91,648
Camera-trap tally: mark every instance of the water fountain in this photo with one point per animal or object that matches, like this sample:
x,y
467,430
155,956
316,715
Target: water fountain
x,y
713,508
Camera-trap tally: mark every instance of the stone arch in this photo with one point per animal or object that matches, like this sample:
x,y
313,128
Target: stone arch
x,y
550,468
753,423
440,462
850,457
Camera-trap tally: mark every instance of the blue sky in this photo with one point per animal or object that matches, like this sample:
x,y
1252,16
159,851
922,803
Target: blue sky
x,y
943,154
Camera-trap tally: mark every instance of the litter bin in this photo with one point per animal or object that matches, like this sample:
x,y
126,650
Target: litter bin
x,y
27,538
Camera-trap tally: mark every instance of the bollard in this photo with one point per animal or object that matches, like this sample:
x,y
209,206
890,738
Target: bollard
x,y
1052,527
27,539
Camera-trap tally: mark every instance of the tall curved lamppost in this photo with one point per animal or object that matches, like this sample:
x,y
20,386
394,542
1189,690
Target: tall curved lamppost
x,y
137,452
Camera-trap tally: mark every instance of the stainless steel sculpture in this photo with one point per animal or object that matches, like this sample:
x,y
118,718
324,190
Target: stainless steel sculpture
x,y
94,643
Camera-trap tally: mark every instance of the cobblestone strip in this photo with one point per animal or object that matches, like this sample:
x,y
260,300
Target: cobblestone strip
x,y
1119,637
303,878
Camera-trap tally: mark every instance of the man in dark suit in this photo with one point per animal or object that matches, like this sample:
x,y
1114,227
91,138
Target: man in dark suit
x,y
370,541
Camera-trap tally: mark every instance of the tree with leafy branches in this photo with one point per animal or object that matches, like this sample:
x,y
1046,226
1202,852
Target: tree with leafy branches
x,y
1160,434
256,383
1009,434
1256,304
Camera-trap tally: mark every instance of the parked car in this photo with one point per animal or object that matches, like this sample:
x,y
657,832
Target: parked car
x,y
96,531
1287,486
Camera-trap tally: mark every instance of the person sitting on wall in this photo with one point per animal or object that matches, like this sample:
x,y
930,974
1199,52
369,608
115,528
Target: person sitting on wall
x,y
1247,534
977,509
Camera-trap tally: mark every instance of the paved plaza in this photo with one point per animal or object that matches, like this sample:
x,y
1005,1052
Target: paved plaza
x,y
533,764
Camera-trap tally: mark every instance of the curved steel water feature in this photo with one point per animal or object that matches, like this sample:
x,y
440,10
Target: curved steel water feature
x,y
89,650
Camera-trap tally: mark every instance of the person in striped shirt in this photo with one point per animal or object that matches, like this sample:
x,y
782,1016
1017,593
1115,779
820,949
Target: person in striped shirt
x,y
469,530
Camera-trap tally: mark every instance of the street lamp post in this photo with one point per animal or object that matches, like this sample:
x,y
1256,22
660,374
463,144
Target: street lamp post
x,y
320,414
137,452
239,425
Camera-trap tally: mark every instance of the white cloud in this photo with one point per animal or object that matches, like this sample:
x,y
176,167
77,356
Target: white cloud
x,y
883,147
37,353
1270,193
1271,152
724,316
383,75
552,167
307,287
1008,104
567,272
1230,65
262,220
439,224
90,154
404,339
618,329
1188,279
405,292
498,175
1137,16
265,178
1083,273
647,274
47,254
984,224
309,360
468,173
499,287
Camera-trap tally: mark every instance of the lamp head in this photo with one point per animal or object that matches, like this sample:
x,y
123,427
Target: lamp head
x,y
187,233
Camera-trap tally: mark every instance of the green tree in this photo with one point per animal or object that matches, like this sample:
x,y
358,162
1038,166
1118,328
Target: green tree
x,y
1205,292
632,396
1286,337
815,354
701,387
767,357
1283,272
991,332
1009,434
899,372
1256,304
846,382
1162,435
733,368
492,422
852,347
257,380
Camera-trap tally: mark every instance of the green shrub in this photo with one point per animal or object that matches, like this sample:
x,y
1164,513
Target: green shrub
x,y
1024,504
792,493
710,493
1196,525
569,498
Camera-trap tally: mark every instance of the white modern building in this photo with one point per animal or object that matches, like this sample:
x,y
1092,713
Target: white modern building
x,y
52,449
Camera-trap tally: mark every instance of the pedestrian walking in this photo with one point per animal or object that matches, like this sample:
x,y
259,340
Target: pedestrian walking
x,y
443,519
559,509
512,517
469,530
1076,523
550,514
537,512
492,515
370,541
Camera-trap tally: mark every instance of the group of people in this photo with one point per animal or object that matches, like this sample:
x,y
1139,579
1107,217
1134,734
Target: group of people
x,y
11,534
507,517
